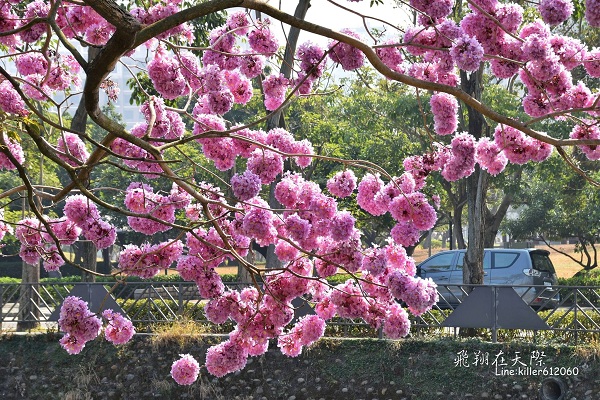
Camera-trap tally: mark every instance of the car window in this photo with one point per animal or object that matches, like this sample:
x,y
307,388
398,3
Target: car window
x,y
504,260
440,262
487,264
541,262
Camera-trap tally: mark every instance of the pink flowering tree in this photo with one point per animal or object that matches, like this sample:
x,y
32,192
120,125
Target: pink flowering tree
x,y
211,221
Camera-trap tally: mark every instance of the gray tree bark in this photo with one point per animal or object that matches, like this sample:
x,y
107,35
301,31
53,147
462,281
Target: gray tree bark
x,y
90,254
29,299
277,120
476,187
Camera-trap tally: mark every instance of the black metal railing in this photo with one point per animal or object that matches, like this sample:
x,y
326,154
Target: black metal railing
x,y
570,314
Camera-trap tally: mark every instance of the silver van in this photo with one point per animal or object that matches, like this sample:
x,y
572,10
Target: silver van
x,y
514,267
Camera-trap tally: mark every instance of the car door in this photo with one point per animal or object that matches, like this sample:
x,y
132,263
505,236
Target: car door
x,y
438,268
456,278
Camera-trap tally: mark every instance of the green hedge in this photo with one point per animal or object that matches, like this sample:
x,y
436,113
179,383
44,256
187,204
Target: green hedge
x,y
564,326
583,278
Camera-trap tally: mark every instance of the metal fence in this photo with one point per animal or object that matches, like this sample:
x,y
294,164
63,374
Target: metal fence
x,y
569,314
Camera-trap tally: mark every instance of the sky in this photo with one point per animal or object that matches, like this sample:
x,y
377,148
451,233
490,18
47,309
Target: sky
x,y
323,12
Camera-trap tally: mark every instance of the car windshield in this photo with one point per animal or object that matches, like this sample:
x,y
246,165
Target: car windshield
x,y
541,262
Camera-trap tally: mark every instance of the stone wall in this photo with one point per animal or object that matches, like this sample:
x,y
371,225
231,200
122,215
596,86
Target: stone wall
x,y
35,367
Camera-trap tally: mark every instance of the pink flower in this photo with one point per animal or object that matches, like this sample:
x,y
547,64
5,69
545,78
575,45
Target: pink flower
x,y
119,330
185,371
368,187
586,130
405,234
592,12
397,324
10,100
266,164
263,41
15,149
79,323
433,8
225,358
342,184
246,185
445,113
349,57
419,294
467,53
555,12
311,58
79,209
274,87
490,157
165,73
73,148
342,226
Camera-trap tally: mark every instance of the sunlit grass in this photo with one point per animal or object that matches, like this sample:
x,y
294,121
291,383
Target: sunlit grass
x,y
183,332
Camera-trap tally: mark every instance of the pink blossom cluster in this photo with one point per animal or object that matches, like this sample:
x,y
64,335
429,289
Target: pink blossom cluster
x,y
141,199
445,113
262,161
147,260
419,294
342,184
4,227
433,8
225,358
79,324
587,130
467,53
307,330
490,156
391,55
185,371
460,161
246,185
14,148
118,329
71,149
162,9
592,12
274,88
401,198
85,215
349,57
10,100
555,12
37,243
519,148
166,75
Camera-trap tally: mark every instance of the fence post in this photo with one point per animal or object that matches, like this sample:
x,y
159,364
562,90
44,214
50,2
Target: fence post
x,y
575,321
494,315
1,305
179,300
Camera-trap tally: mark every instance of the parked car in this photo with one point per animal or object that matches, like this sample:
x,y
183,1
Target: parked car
x,y
514,267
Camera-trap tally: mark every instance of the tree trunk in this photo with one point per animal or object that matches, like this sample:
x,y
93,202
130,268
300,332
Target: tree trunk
x,y
29,300
457,233
89,260
244,275
276,120
492,221
476,186
106,267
